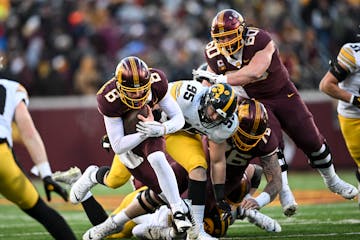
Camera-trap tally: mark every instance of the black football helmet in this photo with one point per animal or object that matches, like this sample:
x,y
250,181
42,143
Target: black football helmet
x,y
214,225
227,30
219,98
133,76
253,122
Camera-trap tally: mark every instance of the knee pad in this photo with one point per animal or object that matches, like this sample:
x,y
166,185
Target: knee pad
x,y
147,202
321,158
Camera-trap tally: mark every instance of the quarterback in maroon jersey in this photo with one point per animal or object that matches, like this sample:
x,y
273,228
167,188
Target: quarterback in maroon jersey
x,y
143,152
247,58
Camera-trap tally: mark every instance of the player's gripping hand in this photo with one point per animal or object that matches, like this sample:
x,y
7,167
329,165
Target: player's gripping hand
x,y
225,210
105,143
151,129
355,100
51,186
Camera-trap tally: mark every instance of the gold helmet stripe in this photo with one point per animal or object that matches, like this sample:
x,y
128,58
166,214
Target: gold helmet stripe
x,y
221,21
257,116
134,71
229,103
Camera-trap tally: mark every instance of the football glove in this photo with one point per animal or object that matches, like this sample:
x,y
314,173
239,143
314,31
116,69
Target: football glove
x,y
151,129
212,78
355,100
51,186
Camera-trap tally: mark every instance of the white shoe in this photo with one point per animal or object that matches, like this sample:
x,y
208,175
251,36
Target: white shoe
x,y
102,230
343,188
144,231
288,203
68,177
181,222
82,185
262,221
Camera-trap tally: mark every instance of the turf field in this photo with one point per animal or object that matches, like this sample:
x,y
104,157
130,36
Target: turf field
x,y
321,215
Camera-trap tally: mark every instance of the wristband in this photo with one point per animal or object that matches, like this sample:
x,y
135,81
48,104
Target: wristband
x,y
219,191
221,79
44,169
263,199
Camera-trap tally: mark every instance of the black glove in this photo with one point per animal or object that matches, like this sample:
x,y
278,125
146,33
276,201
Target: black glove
x,y
355,101
225,210
105,143
51,186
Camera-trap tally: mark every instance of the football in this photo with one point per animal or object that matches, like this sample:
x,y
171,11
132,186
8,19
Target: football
x,y
130,119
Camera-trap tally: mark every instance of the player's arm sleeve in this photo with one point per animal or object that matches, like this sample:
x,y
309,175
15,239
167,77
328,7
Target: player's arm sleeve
x,y
119,142
172,109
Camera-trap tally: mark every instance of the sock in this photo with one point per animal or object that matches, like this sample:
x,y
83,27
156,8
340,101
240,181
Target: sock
x,y
285,183
329,175
198,213
121,218
167,180
94,210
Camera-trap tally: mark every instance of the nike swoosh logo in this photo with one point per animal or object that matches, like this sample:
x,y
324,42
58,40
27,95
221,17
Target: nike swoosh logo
x,y
90,237
290,95
246,60
77,199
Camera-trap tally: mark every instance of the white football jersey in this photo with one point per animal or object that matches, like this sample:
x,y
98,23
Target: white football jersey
x,y
349,55
188,95
11,94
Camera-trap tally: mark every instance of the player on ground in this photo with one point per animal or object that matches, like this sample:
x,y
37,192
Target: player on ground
x,y
133,87
247,58
15,185
342,82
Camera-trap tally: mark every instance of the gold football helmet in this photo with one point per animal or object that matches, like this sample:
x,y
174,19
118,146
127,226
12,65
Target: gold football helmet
x,y
133,82
227,31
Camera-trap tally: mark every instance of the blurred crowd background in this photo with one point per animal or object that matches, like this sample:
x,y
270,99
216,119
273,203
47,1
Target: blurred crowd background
x,y
71,47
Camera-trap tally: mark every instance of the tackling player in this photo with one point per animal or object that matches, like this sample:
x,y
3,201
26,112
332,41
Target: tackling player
x,y
247,58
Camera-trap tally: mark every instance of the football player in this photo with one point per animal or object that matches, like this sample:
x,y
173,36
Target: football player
x,y
342,82
247,58
15,185
208,111
136,86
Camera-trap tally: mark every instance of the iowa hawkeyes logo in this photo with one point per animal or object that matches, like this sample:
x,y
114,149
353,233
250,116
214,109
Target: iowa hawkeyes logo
x,y
219,90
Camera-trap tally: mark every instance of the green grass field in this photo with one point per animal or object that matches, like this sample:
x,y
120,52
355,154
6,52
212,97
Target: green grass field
x,y
321,216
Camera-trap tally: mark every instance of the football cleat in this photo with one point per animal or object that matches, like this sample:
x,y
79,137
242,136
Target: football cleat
x,y
144,231
343,188
68,177
181,222
288,203
262,221
82,186
202,235
102,230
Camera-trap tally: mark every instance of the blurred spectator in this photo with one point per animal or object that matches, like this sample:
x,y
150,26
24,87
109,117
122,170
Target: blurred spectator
x,y
87,79
44,43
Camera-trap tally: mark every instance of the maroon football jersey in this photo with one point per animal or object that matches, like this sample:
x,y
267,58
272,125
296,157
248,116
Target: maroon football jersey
x,y
273,80
110,104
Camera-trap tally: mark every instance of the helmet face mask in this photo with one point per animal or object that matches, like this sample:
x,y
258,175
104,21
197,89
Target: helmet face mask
x,y
253,120
217,105
133,82
227,31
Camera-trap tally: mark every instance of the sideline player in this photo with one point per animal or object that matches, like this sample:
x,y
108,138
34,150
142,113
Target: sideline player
x,y
15,185
342,82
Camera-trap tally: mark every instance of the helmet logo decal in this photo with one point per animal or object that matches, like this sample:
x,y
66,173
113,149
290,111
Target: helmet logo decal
x,y
135,72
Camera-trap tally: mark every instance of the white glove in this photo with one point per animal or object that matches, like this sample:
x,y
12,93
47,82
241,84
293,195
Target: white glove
x,y
151,129
205,75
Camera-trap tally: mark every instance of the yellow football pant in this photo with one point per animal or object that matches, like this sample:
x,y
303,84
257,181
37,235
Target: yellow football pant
x,y
350,128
